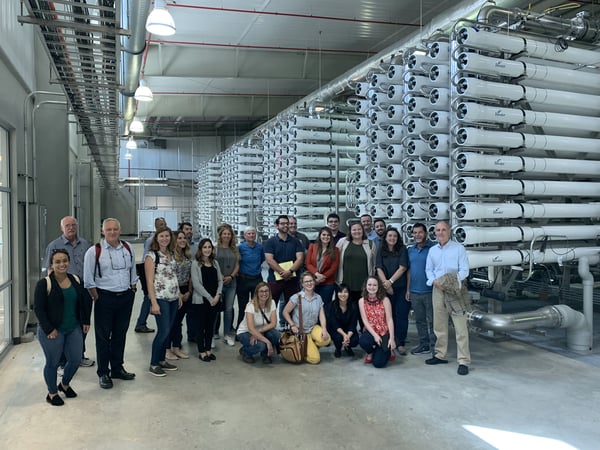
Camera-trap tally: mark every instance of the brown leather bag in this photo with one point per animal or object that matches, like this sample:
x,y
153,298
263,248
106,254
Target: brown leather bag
x,y
293,346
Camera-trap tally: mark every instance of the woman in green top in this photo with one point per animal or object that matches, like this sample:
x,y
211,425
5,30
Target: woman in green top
x,y
357,260
62,306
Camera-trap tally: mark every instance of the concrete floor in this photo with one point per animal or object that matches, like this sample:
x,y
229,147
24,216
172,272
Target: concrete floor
x,y
517,396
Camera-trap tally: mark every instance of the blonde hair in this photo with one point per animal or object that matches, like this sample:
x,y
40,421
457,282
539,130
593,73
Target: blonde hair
x,y
232,242
255,297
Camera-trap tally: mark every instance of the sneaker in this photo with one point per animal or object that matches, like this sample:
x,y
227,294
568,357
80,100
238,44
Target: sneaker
x,y
157,371
349,352
171,355
216,337
181,354
462,370
337,353
420,349
435,360
401,350
166,365
229,340
86,362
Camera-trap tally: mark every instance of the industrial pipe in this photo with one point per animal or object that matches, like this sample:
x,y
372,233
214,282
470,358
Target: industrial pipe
x,y
587,280
481,186
473,162
518,257
469,235
474,210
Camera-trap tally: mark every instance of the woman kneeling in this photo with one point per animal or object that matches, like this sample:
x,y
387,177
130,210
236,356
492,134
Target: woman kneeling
x,y
257,331
314,323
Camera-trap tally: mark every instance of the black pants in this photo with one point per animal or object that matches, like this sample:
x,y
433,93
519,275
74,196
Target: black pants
x,y
338,339
112,314
244,291
203,316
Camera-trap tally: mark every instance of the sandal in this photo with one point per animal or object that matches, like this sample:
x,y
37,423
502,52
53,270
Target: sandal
x,y
368,359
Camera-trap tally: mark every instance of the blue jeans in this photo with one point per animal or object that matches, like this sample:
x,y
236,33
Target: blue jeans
x,y
164,322
245,286
71,344
400,310
379,356
144,312
260,347
423,307
326,292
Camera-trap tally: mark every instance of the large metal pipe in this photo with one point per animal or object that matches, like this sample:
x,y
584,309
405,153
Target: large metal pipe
x,y
474,137
470,235
518,257
543,188
556,316
477,113
473,162
475,210
577,81
508,43
587,280
476,88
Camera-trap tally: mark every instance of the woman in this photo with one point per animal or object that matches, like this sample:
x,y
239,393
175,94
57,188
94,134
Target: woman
x,y
377,339
392,266
63,308
207,283
357,260
183,268
228,257
257,331
342,318
323,260
163,289
314,323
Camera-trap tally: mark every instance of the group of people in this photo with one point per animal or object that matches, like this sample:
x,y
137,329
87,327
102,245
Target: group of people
x,y
354,290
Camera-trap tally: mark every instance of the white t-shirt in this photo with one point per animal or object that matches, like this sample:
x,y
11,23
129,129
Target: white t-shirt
x,y
259,319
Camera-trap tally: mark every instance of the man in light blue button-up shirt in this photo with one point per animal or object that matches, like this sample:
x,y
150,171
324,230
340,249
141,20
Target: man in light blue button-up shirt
x,y
447,256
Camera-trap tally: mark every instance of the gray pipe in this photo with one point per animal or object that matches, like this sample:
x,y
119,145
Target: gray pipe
x,y
133,18
556,316
579,28
588,292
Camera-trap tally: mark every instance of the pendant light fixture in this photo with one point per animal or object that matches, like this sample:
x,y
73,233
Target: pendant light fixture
x,y
143,93
131,144
136,126
160,22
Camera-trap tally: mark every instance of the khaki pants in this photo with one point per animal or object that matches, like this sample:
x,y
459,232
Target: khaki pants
x,y
440,328
313,341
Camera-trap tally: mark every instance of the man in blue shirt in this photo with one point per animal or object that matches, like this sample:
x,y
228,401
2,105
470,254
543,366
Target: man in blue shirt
x,y
445,257
110,277
418,292
250,273
367,223
283,250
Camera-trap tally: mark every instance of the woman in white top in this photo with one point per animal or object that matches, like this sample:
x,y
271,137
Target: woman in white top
x,y
257,331
165,299
314,323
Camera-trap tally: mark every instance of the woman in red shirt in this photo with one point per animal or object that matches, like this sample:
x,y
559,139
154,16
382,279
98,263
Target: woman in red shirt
x,y
377,339
323,260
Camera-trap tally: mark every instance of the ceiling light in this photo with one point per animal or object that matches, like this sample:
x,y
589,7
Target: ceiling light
x,y
128,156
143,93
160,21
131,145
136,126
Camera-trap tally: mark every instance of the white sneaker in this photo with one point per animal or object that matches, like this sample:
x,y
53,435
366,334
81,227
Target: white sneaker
x,y
229,340
213,345
170,355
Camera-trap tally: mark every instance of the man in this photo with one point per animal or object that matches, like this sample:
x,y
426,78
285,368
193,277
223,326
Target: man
x,y
76,247
379,227
418,292
141,325
333,222
447,257
109,275
187,229
250,273
367,223
284,255
293,231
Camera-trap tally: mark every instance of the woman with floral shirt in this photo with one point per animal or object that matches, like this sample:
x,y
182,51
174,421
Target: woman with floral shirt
x,y
165,298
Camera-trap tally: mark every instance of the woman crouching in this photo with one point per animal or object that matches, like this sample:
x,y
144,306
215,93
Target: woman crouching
x,y
257,331
314,323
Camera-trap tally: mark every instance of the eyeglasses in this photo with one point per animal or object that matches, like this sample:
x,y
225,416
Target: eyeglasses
x,y
116,264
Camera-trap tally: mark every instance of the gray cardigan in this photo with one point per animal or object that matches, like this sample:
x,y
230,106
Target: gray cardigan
x,y
200,294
